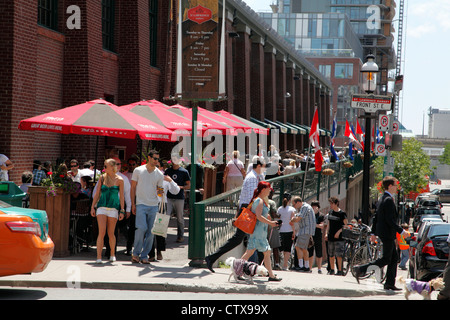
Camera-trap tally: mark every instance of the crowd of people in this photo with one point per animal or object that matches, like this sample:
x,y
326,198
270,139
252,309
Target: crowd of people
x,y
293,229
125,200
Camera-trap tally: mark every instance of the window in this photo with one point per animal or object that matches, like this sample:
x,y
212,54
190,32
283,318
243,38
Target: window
x,y
325,69
48,13
153,22
108,21
343,71
312,28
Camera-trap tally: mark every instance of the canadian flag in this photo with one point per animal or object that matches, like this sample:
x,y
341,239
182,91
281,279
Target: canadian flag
x,y
361,133
314,138
348,132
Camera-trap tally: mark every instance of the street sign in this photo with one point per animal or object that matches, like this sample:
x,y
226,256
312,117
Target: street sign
x,y
380,150
383,122
371,103
395,127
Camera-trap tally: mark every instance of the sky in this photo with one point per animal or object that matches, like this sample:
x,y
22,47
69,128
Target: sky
x,y
426,50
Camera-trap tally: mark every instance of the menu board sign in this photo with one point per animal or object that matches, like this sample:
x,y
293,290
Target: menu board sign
x,y
198,50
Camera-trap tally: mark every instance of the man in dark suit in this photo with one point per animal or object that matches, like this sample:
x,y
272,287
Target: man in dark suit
x,y
385,227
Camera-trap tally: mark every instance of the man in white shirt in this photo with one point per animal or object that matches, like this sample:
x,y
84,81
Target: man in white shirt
x,y
144,204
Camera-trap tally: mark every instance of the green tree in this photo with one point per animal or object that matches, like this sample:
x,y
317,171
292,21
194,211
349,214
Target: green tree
x,y
412,164
445,158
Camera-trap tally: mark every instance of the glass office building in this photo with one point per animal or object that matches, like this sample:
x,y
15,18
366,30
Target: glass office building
x,y
317,34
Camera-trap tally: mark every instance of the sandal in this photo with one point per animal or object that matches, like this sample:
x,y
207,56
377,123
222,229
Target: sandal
x,y
135,259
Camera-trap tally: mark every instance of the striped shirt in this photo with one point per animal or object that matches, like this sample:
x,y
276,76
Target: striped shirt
x,y
248,187
307,225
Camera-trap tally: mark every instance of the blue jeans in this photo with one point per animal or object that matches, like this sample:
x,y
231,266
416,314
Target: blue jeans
x,y
404,258
143,237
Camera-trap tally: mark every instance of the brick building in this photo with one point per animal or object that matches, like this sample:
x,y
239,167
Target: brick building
x,y
59,53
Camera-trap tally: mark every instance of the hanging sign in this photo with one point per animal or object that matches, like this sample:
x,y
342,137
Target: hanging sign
x,y
198,66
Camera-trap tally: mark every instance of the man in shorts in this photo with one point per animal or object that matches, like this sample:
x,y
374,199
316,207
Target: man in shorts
x,y
306,228
336,221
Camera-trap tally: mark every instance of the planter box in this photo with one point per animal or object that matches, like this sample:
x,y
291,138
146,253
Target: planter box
x,y
58,212
209,181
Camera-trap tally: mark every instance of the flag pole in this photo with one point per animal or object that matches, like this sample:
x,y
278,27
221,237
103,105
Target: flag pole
x,y
306,168
309,155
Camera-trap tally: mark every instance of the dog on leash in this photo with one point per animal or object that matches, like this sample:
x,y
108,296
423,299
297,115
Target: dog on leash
x,y
245,269
421,287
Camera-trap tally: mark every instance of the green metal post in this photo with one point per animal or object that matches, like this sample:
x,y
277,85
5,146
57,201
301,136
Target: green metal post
x,y
196,250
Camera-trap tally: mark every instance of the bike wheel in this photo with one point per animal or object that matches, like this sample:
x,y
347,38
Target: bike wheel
x,y
362,256
347,258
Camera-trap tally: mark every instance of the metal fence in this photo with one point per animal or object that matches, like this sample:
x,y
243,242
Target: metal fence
x,y
211,223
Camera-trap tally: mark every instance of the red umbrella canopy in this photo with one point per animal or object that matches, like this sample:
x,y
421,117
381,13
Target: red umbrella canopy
x,y
98,118
210,124
228,121
258,129
159,114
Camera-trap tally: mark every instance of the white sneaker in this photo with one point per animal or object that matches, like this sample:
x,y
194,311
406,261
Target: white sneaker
x,y
112,259
98,261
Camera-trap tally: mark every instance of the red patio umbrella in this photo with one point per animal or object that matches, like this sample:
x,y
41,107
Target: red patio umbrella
x,y
159,114
210,124
258,129
98,118
224,120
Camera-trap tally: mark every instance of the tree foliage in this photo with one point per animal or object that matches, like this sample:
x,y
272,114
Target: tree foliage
x,y
445,158
412,165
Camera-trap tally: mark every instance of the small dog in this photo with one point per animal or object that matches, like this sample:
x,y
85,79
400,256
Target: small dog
x,y
246,269
421,287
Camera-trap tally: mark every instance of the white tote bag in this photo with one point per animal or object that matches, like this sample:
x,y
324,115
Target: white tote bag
x,y
161,223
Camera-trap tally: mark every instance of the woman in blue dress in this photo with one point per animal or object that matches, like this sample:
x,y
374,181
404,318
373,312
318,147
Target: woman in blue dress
x,y
258,239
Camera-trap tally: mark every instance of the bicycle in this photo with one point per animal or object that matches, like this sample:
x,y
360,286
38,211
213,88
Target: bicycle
x,y
367,252
353,236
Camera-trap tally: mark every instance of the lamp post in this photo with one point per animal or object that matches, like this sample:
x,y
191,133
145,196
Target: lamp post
x,y
369,71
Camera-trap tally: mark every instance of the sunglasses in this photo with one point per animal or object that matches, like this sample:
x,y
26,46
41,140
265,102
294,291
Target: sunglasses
x,y
74,166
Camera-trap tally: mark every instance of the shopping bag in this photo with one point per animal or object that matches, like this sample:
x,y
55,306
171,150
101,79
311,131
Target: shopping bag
x,y
246,220
161,225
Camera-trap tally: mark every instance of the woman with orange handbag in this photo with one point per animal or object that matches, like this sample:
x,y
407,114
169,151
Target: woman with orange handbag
x,y
258,239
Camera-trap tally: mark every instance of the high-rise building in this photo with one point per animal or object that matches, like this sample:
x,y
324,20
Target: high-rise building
x,y
438,120
336,36
371,20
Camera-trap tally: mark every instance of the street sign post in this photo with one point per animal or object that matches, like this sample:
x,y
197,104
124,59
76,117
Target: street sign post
x,y
371,103
389,164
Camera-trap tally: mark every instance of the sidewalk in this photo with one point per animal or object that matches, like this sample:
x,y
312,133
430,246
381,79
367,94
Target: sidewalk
x,y
174,274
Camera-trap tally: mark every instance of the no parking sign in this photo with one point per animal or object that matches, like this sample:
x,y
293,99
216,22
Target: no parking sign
x,y
380,150
383,122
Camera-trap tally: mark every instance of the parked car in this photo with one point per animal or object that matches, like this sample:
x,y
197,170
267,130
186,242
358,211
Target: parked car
x,y
431,251
25,245
444,195
428,202
425,211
